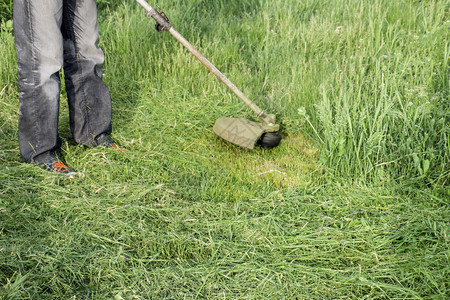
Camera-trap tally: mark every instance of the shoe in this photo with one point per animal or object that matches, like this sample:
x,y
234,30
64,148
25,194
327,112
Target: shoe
x,y
58,167
114,146
51,161
105,140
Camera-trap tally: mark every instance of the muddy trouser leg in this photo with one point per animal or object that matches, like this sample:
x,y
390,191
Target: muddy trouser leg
x,y
88,96
40,57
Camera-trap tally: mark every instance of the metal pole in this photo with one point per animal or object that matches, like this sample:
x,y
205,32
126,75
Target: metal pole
x,y
151,12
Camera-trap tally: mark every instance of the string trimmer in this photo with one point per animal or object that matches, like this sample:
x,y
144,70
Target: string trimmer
x,y
239,131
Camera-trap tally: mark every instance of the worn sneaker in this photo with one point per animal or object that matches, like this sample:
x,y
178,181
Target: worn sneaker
x,y
58,167
105,140
114,146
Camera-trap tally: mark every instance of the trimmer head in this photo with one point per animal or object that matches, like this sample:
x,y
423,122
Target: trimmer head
x,y
247,134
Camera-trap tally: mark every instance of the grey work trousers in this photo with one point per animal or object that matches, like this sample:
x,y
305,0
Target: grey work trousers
x,y
51,35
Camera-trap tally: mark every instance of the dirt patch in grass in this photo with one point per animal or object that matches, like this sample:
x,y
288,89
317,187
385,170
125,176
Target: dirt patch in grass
x,y
291,166
288,165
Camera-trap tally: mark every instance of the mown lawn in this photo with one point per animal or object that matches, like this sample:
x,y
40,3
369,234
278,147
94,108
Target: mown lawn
x,y
354,203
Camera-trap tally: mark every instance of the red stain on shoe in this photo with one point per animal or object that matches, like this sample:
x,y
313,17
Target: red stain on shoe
x,y
59,166
114,146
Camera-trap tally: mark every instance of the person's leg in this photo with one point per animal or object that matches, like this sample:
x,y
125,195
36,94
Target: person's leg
x,y
39,47
88,96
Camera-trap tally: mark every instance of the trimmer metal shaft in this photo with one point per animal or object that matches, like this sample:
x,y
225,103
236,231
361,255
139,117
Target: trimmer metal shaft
x,y
269,120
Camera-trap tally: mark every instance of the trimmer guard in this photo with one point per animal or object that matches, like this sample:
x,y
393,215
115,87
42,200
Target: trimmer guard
x,y
239,131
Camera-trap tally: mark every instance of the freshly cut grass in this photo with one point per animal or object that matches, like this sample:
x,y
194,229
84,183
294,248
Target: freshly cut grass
x,y
354,203
144,239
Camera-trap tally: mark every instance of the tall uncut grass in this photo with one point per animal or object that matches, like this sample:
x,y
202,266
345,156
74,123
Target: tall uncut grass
x,y
354,203
385,106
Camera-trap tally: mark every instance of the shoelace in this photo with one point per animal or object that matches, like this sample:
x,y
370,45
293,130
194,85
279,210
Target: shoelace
x,y
60,166
114,146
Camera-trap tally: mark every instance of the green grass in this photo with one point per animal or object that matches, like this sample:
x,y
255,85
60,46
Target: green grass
x,y
354,203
